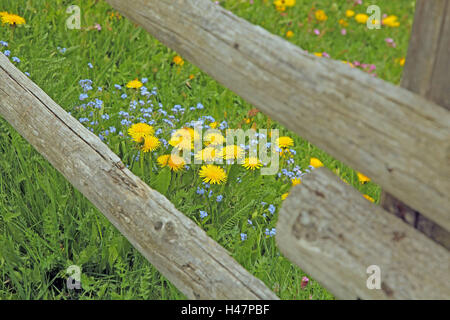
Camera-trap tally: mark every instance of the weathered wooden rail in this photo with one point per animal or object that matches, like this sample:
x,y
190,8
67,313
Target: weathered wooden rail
x,y
335,234
398,138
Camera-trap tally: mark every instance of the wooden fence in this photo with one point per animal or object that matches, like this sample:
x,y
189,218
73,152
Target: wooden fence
x,y
399,138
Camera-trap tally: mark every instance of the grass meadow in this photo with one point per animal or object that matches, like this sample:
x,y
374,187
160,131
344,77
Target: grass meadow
x,y
112,75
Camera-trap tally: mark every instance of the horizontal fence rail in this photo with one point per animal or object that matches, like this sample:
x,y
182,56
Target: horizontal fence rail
x,y
334,234
175,245
394,136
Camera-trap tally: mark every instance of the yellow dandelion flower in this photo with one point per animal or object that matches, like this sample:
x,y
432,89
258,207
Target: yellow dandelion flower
x,y
213,125
183,139
369,198
284,196
233,152
296,181
3,13
191,76
321,15
175,163
139,130
195,136
343,23
214,139
316,163
252,163
361,18
213,174
178,61
162,160
151,143
285,142
281,5
209,154
289,34
391,21
135,84
12,19
349,13
362,178
318,54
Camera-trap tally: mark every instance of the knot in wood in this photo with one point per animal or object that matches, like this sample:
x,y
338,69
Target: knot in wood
x,y
170,235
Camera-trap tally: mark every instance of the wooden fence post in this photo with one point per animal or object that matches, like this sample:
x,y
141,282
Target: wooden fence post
x,y
427,72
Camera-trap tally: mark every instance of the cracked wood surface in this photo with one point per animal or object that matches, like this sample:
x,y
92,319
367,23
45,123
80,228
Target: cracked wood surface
x,y
396,137
197,265
334,234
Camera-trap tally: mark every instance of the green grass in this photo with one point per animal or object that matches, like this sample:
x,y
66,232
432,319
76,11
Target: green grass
x,y
46,225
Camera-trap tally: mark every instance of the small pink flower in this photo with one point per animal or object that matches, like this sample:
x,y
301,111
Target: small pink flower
x,y
325,55
316,31
304,283
372,67
98,27
390,42
343,32
356,63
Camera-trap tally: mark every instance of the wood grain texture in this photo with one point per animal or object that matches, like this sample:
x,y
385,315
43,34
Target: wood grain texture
x,y
175,245
427,73
396,137
333,233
